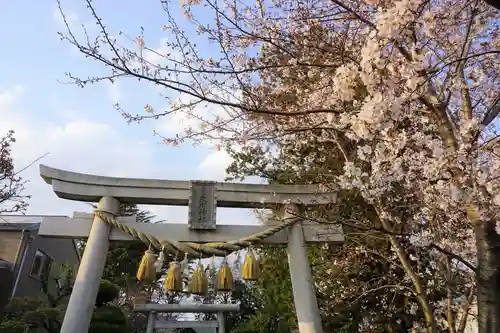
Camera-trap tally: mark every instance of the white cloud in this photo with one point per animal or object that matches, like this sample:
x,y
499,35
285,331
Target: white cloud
x,y
8,97
177,122
214,165
78,144
159,54
209,123
82,145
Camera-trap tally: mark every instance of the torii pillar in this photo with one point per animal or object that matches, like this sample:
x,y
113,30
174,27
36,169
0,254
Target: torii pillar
x,y
202,198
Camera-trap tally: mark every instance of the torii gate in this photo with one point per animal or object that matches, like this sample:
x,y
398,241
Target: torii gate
x,y
202,198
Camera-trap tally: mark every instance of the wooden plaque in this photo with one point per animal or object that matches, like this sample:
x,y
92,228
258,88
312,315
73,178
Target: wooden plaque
x,y
202,205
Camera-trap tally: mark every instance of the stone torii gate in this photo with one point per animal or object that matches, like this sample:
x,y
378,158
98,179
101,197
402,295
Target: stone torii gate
x,y
219,309
203,198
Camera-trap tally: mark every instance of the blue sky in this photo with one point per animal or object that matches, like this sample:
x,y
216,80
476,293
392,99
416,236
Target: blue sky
x,y
79,128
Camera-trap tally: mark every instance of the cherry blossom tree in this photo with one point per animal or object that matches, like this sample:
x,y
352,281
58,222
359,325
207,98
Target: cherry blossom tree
x,y
407,91
361,286
493,3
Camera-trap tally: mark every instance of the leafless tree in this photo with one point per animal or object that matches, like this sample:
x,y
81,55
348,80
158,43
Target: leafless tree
x,y
12,185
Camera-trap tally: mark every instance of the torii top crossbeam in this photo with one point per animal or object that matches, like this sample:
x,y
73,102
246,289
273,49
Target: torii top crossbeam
x,y
91,188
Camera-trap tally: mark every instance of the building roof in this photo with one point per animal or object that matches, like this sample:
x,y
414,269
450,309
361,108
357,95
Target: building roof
x,y
19,222
29,222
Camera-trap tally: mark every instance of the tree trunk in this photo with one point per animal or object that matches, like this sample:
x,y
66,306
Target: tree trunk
x,y
488,277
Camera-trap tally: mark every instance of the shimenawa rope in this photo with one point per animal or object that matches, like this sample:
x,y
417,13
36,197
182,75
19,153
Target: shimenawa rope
x,y
219,249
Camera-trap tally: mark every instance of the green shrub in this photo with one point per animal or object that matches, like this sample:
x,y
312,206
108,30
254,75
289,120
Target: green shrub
x,y
108,292
108,319
12,326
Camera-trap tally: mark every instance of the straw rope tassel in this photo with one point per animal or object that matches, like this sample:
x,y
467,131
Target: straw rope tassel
x,y
147,270
173,279
251,270
224,277
198,284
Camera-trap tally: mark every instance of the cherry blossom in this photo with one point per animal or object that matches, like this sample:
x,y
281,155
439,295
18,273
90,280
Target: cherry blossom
x,y
406,91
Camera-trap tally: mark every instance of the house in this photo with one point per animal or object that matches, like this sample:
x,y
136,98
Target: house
x,y
32,257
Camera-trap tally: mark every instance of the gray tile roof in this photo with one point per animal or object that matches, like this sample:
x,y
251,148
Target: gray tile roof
x,y
17,222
